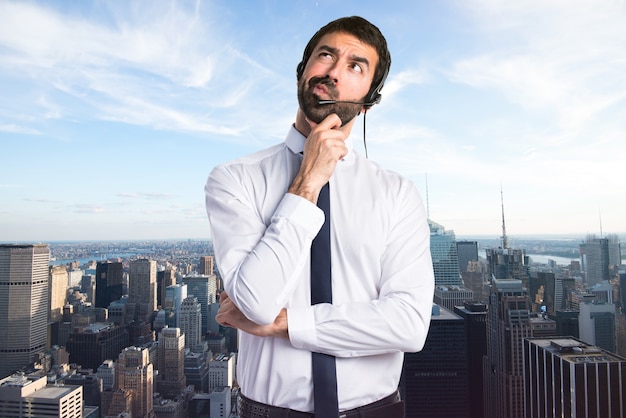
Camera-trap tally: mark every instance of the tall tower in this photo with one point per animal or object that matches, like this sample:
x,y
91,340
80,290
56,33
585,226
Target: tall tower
x,y
142,288
505,239
109,277
508,323
174,296
467,252
134,373
221,371
615,251
596,323
505,262
565,377
444,255
171,354
206,265
23,304
474,315
58,291
594,253
165,278
189,320
205,289
442,363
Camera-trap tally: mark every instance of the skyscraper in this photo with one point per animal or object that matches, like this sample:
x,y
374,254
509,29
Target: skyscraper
x,y
444,255
205,289
189,320
467,252
451,296
26,396
197,371
563,287
596,324
165,277
142,288
542,289
23,304
508,322
134,373
88,287
434,380
57,292
221,371
615,252
109,277
565,377
508,263
174,296
474,315
171,359
92,344
594,253
206,265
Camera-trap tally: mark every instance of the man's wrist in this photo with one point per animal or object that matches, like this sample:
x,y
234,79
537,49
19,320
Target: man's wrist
x,y
281,325
302,189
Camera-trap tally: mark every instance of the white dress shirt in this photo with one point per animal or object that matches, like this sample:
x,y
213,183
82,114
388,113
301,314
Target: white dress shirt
x,y
382,276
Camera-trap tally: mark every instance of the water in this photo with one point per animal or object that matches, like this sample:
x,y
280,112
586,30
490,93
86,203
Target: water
x,y
543,259
86,260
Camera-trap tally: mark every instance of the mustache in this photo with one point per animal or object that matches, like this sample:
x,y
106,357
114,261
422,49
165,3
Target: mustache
x,y
325,81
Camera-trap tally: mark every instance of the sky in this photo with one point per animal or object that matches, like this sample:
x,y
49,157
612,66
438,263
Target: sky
x,y
114,112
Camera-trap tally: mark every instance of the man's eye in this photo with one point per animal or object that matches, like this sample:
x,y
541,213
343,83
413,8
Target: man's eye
x,y
357,67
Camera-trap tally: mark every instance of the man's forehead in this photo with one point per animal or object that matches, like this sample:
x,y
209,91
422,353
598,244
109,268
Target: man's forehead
x,y
342,41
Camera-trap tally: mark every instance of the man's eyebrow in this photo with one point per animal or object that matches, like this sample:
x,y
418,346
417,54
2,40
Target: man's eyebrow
x,y
335,51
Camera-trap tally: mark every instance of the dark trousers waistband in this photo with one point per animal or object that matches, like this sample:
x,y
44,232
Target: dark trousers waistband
x,y
388,407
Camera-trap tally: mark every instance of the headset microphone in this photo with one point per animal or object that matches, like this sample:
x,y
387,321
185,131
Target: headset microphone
x,y
327,102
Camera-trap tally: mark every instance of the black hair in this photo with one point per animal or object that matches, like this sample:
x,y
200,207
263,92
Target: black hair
x,y
367,33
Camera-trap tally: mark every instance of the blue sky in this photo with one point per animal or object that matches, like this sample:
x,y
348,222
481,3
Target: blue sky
x,y
113,113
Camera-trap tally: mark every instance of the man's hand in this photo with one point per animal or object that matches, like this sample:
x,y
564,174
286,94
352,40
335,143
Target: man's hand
x,y
229,315
324,147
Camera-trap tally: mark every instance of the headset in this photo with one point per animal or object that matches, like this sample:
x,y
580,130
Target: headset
x,y
373,96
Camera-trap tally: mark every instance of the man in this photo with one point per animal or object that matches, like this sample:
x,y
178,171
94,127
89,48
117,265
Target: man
x,y
263,214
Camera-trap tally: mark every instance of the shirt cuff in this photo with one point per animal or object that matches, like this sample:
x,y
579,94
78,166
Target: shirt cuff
x,y
301,327
300,211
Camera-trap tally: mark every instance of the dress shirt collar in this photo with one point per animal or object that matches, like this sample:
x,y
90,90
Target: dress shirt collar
x,y
295,142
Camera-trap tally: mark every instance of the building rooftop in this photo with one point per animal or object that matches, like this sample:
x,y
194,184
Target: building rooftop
x,y
440,313
575,351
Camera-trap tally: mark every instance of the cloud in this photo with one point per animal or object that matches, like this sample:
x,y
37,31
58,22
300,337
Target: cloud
x,y
147,196
17,129
154,67
41,200
556,57
403,79
89,209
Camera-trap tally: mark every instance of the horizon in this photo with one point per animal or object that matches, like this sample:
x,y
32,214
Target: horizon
x,y
114,114
540,237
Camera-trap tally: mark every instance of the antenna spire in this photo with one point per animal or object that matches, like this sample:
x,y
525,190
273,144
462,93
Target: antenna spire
x,y
505,240
600,214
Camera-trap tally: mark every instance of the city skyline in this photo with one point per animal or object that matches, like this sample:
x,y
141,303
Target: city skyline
x,y
113,114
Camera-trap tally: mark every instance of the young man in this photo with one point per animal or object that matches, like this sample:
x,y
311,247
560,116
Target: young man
x,y
264,219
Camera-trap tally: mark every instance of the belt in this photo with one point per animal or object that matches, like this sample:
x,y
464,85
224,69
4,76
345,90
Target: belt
x,y
391,407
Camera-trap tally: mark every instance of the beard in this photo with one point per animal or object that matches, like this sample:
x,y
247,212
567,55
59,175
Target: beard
x,y
316,112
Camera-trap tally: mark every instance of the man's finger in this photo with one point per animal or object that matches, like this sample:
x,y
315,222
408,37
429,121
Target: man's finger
x,y
331,121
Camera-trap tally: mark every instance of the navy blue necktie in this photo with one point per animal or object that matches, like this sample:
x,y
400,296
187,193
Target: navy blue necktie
x,y
324,370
